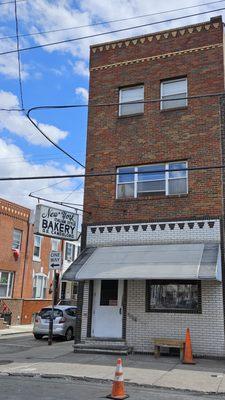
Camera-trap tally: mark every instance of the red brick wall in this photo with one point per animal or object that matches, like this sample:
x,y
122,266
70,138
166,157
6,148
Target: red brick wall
x,y
191,134
30,307
13,216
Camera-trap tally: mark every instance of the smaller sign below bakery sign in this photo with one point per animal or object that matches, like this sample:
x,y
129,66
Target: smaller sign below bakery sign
x,y
55,222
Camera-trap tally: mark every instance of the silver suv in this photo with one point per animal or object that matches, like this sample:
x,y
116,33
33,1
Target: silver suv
x,y
63,322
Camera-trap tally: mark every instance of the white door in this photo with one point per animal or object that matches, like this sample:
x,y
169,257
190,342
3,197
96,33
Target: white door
x,y
107,310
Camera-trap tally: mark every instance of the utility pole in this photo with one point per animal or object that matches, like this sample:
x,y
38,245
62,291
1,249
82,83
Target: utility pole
x,y
50,332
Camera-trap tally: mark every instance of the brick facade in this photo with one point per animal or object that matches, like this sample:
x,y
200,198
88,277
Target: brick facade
x,y
193,133
24,268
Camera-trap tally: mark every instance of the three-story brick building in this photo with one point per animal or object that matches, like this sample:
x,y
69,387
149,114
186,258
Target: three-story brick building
x,y
153,258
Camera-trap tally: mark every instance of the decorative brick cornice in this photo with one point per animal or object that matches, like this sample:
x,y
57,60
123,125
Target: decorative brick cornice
x,y
172,33
14,210
157,57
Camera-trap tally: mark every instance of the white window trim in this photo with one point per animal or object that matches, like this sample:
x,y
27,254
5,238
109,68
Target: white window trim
x,y
44,279
57,241
20,241
37,258
73,252
127,102
166,179
9,289
172,81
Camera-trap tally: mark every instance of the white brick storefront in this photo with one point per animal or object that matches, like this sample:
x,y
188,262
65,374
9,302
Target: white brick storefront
x,y
207,328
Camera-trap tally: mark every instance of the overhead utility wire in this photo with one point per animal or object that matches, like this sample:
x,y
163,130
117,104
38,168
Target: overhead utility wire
x,y
52,142
61,203
105,174
111,32
112,21
94,105
18,56
10,2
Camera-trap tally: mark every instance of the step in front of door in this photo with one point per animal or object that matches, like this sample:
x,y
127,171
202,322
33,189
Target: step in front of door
x,y
102,348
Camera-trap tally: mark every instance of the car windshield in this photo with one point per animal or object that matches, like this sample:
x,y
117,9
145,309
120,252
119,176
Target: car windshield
x,y
47,312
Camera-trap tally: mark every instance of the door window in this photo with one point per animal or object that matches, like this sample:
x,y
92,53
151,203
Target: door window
x,y
109,293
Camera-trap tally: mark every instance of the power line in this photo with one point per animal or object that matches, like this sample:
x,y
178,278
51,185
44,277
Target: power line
x,y
106,174
110,32
70,194
10,2
18,56
47,187
52,141
111,21
94,105
61,203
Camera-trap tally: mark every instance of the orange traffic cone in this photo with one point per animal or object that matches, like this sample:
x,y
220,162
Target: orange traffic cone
x,y
118,389
188,357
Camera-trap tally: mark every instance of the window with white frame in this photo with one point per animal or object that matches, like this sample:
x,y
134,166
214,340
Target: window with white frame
x,y
55,244
39,286
37,247
6,284
132,97
17,238
169,179
69,251
173,89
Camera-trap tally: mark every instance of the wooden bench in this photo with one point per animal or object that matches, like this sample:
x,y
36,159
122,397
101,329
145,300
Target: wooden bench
x,y
165,342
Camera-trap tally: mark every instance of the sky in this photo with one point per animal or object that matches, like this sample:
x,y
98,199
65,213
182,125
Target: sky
x,y
60,75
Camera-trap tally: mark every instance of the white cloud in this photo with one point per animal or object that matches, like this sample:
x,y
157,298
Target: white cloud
x,y
18,124
9,62
13,163
81,68
82,92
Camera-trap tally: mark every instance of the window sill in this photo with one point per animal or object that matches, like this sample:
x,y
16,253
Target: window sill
x,y
152,197
131,115
174,109
36,259
175,311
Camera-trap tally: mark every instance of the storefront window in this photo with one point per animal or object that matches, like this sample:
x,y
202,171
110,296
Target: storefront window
x,y
173,296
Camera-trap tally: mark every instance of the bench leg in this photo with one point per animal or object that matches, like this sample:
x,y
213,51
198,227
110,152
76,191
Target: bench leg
x,y
157,351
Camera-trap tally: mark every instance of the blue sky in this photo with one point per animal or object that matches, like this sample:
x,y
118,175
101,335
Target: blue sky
x,y
59,75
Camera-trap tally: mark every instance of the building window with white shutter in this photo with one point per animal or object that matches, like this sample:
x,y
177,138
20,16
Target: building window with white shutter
x,y
6,284
69,251
17,239
37,248
174,93
166,179
131,100
39,286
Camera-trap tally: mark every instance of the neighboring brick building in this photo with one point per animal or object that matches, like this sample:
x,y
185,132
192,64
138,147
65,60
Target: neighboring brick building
x,y
24,257
151,264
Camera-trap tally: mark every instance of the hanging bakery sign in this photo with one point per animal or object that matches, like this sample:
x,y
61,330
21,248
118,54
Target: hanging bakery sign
x,y
55,222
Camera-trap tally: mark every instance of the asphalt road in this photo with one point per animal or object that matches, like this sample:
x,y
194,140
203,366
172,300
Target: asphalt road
x,y
23,388
21,342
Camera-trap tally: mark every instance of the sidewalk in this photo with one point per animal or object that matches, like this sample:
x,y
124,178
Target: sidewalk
x,y
15,329
207,376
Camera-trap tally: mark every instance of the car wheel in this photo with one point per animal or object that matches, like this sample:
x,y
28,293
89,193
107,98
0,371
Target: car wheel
x,y
69,334
36,336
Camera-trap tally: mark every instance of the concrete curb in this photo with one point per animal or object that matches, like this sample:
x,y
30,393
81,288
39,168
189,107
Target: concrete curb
x,y
103,381
14,333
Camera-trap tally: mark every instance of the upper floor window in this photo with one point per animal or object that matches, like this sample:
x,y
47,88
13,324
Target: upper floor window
x,y
69,251
131,95
170,178
55,244
173,89
37,247
39,286
6,283
17,238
